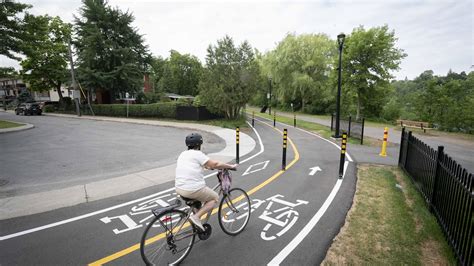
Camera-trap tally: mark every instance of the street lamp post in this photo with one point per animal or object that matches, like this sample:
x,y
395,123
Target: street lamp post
x,y
270,96
340,42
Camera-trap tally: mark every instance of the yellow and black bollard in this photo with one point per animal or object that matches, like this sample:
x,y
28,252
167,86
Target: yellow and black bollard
x,y
274,118
343,154
253,118
383,153
285,139
237,140
294,119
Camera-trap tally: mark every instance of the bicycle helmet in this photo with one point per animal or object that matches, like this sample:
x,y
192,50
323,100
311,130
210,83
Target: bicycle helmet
x,y
193,140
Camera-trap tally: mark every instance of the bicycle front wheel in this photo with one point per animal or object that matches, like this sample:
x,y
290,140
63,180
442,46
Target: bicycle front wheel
x,y
168,239
234,211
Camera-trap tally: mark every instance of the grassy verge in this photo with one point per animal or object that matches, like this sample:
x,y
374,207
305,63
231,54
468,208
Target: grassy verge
x,y
389,225
321,130
7,124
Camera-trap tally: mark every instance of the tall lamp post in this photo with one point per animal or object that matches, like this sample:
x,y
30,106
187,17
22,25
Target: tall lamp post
x,y
340,42
270,96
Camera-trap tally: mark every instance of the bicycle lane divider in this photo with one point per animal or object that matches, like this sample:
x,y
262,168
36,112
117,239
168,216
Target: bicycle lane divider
x,y
136,247
278,259
87,215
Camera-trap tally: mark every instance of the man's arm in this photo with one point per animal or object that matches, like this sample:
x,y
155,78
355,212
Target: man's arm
x,y
213,164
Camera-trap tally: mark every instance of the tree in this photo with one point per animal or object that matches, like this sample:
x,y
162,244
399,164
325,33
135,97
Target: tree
x,y
299,66
230,77
45,65
181,74
157,65
11,28
111,55
369,57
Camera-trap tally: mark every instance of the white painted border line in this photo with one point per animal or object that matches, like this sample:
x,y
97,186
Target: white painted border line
x,y
310,225
36,229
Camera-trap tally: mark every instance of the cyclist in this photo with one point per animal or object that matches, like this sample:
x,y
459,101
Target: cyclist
x,y
189,181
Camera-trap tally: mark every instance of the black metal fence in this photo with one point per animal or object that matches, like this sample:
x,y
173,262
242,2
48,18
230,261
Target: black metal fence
x,y
448,189
354,128
194,113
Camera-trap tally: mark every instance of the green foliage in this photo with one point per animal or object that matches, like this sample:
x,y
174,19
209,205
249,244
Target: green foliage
x,y
45,65
368,58
391,110
299,67
49,109
8,72
230,78
180,74
148,97
158,110
11,28
24,96
111,54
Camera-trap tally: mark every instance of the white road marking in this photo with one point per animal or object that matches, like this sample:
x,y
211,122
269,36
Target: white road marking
x,y
314,170
312,223
40,228
250,170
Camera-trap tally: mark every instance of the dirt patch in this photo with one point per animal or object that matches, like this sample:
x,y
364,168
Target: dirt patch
x,y
430,251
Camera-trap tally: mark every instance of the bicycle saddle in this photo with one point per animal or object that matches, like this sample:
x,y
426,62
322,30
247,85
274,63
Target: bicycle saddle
x,y
192,202
158,211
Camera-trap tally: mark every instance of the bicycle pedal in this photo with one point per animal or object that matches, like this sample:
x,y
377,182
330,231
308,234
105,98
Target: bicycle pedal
x,y
207,232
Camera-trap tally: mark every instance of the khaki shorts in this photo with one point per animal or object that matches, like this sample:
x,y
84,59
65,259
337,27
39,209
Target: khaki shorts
x,y
204,194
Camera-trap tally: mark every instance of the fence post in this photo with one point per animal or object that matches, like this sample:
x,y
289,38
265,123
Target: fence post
x,y
285,137
401,147
439,157
408,147
343,155
349,128
362,133
237,140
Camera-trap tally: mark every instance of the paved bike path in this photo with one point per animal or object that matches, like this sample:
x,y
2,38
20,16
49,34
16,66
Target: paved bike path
x,y
119,230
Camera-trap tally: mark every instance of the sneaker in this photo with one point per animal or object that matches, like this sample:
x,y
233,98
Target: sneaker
x,y
197,222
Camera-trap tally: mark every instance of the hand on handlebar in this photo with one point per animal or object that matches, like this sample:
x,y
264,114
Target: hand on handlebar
x,y
234,167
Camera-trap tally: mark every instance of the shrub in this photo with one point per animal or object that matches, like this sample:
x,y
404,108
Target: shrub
x,y
49,108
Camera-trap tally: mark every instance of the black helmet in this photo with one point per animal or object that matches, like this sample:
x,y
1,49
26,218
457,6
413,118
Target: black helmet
x,y
193,140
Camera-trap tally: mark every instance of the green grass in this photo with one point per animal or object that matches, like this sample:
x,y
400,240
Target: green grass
x,y
321,130
7,124
388,225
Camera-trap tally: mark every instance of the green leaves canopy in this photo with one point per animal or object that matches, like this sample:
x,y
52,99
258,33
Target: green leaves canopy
x,y
111,53
12,34
230,77
45,66
181,74
369,56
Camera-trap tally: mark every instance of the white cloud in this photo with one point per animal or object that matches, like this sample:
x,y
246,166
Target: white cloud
x,y
436,35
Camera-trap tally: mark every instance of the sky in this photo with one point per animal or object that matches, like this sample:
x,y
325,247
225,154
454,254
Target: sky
x,y
436,35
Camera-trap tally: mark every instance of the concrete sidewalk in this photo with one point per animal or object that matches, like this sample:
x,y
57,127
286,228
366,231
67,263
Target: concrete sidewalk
x,y
45,201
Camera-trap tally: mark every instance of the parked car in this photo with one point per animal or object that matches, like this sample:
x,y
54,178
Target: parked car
x,y
28,109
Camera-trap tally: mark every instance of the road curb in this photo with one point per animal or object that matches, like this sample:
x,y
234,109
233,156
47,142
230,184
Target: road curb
x,y
26,126
70,196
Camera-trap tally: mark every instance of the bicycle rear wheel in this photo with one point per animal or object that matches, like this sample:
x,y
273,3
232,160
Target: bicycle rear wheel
x,y
167,240
234,211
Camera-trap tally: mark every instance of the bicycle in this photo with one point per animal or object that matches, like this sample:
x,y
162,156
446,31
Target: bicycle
x,y
169,238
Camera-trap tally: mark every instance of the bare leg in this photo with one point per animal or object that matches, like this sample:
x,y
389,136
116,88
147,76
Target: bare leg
x,y
206,208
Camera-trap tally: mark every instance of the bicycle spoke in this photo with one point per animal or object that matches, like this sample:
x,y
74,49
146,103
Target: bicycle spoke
x,y
234,211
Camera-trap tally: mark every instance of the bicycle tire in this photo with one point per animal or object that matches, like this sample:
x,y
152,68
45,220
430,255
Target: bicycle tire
x,y
228,218
158,249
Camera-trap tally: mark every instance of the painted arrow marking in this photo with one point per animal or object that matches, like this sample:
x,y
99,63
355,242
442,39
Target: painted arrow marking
x,y
250,170
314,170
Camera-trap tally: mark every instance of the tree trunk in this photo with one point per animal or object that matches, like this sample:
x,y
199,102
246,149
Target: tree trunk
x,y
358,105
60,94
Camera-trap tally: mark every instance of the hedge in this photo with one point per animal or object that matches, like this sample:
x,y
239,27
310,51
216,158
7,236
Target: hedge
x,y
161,110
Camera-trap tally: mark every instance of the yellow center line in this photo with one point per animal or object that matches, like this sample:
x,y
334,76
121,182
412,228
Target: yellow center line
x,y
135,247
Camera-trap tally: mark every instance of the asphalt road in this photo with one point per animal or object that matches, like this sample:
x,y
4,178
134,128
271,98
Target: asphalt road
x,y
109,230
61,152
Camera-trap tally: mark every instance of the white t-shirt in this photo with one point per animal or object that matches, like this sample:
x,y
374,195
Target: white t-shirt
x,y
189,170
